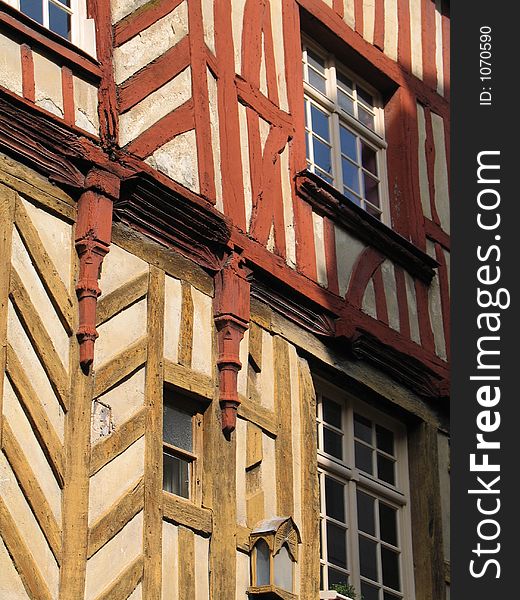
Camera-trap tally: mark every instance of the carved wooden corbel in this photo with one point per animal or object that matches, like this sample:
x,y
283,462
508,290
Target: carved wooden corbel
x,y
93,236
231,314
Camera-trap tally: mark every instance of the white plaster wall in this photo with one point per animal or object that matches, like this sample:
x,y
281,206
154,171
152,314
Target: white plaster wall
x,y
209,23
391,29
246,171
288,210
155,106
126,398
237,16
34,371
263,74
202,355
201,568
412,308
369,300
319,244
11,586
56,237
279,55
215,136
172,317
40,299
137,594
47,83
241,453
265,379
349,18
86,105
178,160
423,169
23,433
369,13
447,258
114,557
269,476
119,267
347,251
116,334
439,64
170,561
150,43
242,575
416,38
114,479
122,8
392,306
28,527
442,197
435,309
10,65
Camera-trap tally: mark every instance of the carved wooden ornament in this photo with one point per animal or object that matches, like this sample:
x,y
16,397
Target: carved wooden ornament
x,y
93,236
231,314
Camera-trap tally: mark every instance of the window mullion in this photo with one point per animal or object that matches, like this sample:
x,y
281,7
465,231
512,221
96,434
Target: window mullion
x,y
336,150
46,13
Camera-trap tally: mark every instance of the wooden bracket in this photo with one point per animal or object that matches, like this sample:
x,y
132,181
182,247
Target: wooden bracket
x,y
93,236
231,310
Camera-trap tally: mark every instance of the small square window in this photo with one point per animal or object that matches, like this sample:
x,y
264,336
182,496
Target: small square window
x,y
181,439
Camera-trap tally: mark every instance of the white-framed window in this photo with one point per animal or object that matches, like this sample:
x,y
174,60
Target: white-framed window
x,y
182,445
344,131
364,497
67,18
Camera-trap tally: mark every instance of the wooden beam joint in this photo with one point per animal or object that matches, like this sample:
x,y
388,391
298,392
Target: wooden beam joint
x,y
231,315
93,236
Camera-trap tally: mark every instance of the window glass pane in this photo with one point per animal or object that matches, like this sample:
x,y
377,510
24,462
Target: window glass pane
x,y
368,158
336,576
283,570
322,155
363,428
352,196
371,189
389,596
323,175
348,143
337,545
316,61
33,9
385,439
365,511
263,574
388,524
317,81
332,413
350,175
364,96
332,443
367,558
346,102
334,499
175,475
59,21
363,458
371,210
365,117
320,122
390,564
177,429
385,469
344,82
369,592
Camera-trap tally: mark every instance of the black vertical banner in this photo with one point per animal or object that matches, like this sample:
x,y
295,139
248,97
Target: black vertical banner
x,y
485,310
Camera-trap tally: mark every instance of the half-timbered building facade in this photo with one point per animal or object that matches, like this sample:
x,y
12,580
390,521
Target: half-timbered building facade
x,y
224,290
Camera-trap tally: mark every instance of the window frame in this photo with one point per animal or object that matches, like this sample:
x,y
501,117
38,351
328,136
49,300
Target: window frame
x,y
328,103
344,470
82,34
181,401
